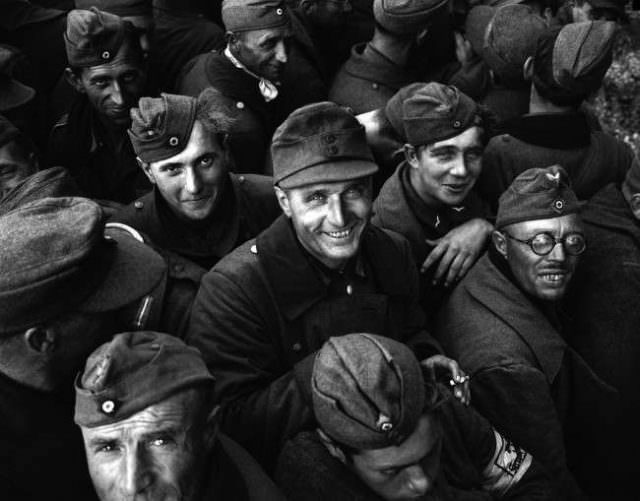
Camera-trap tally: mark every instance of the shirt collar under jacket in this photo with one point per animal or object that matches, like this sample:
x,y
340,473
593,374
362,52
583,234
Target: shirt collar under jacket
x,y
268,89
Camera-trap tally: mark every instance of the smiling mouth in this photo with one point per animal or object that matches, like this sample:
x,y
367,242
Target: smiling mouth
x,y
457,187
554,278
339,235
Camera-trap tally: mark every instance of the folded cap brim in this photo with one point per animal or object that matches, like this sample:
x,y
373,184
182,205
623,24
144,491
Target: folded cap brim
x,y
14,94
329,172
135,271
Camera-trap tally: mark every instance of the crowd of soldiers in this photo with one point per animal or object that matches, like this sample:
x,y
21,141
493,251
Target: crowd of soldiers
x,y
341,250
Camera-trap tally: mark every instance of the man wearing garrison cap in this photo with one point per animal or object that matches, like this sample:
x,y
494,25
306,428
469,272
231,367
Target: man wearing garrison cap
x,y
107,68
430,198
319,270
248,70
65,287
524,377
568,66
385,432
198,209
149,391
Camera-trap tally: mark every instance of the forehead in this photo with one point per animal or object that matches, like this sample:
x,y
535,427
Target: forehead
x,y
557,225
200,142
424,438
266,34
330,187
469,138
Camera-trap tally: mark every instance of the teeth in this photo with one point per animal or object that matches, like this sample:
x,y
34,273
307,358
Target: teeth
x,y
555,277
339,234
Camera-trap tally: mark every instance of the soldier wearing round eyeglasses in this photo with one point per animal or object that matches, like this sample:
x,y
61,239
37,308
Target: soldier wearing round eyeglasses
x,y
525,379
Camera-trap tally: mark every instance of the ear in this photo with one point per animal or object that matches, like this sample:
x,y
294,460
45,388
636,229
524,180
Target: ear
x,y
232,40
527,69
283,200
500,242
41,339
146,168
74,80
334,449
411,155
634,203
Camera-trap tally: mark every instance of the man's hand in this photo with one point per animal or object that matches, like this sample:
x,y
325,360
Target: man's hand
x,y
464,52
457,251
458,380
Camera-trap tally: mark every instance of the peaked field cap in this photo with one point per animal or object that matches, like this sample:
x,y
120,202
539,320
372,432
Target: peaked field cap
x,y
320,142
539,193
132,372
510,38
434,112
368,391
582,54
406,17
55,259
249,15
94,37
161,127
123,8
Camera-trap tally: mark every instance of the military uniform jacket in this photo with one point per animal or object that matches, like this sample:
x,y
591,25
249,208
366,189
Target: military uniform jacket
x,y
254,119
367,80
592,159
101,170
263,311
525,379
477,464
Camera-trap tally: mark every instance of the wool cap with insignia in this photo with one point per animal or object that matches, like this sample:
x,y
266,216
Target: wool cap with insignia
x,y
574,58
55,260
94,37
320,142
124,8
537,194
132,372
431,112
406,17
249,15
368,391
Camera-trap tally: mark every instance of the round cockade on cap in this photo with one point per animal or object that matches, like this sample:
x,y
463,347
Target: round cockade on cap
x,y
559,205
174,141
108,407
106,54
249,15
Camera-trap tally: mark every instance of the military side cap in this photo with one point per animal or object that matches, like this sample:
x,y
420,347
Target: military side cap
x,y
124,8
132,372
55,259
161,127
435,112
368,391
510,38
8,131
405,17
248,15
537,194
94,37
393,108
53,182
12,92
320,142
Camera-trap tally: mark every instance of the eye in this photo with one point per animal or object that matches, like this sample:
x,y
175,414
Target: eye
x,y
390,472
106,447
161,441
101,83
130,76
316,198
206,160
474,154
354,192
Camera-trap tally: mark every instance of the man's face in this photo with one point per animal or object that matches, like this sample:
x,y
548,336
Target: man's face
x,y
544,277
406,471
443,173
191,182
329,218
14,166
264,52
157,454
115,87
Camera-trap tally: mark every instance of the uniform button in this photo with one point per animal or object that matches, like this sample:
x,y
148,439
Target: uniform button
x,y
240,105
329,138
349,289
296,347
173,141
108,406
374,86
279,11
178,267
241,179
457,124
138,204
106,54
254,249
332,150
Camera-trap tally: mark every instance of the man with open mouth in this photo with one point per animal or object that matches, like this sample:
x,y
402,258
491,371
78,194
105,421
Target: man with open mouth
x,y
319,270
504,325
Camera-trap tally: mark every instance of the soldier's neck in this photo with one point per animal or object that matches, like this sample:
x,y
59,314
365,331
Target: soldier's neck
x,y
391,47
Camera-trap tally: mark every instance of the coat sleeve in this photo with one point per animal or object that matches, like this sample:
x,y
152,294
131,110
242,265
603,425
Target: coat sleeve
x,y
517,400
261,399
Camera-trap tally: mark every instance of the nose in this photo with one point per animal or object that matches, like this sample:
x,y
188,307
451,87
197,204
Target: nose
x,y
459,168
417,481
281,52
558,253
116,93
336,212
135,475
192,182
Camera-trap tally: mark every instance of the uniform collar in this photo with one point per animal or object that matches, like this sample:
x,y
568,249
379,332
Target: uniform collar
x,y
370,64
298,284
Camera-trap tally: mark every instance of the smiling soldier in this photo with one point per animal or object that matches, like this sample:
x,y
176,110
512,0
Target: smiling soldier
x,y
108,70
319,270
524,378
